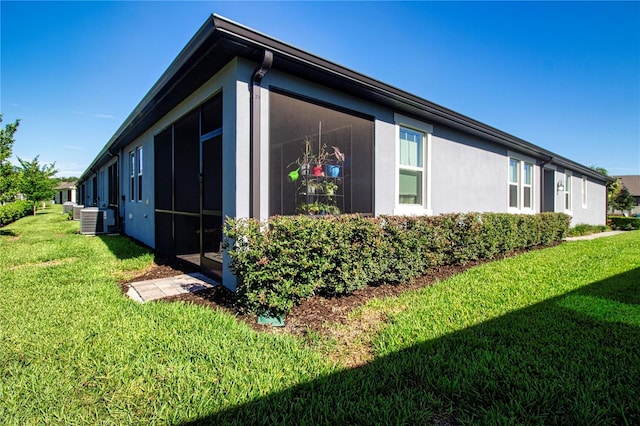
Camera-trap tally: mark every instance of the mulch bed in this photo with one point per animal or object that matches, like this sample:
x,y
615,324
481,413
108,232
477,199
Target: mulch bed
x,y
316,313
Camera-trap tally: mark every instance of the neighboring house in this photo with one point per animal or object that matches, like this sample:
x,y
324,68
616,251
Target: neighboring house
x,y
65,191
632,182
220,132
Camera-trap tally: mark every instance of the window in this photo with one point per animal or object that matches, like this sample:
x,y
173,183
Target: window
x,y
520,184
514,183
527,192
567,192
411,169
132,168
584,193
413,157
139,152
112,183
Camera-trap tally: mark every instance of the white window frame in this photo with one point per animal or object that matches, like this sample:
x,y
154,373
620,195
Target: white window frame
x,y
132,175
568,192
585,192
424,208
518,165
139,168
521,185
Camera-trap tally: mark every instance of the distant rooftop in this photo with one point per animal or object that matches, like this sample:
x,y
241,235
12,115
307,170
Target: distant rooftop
x,y
66,185
632,182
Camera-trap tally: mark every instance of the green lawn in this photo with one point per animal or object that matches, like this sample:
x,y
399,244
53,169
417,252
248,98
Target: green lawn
x,y
548,337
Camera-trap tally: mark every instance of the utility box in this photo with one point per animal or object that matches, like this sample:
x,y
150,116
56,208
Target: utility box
x,y
76,211
95,221
67,207
91,221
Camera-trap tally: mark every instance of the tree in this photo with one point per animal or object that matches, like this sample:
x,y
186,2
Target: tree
x,y
7,171
613,187
36,181
624,200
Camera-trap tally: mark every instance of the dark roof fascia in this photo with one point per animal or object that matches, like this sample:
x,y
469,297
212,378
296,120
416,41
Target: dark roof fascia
x,y
248,43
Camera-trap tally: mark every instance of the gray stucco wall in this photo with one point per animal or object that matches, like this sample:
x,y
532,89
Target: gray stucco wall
x,y
468,174
595,211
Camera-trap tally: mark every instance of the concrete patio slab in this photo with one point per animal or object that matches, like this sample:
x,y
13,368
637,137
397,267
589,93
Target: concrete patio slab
x,y
143,291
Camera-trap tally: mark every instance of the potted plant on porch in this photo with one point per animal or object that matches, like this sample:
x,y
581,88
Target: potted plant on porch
x,y
321,173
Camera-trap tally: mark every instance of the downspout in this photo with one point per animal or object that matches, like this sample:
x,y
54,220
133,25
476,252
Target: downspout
x,y
254,141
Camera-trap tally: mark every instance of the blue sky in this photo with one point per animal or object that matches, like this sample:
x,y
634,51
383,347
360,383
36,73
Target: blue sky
x,y
564,76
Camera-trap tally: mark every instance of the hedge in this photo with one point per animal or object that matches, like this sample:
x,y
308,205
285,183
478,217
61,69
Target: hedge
x,y
621,222
11,212
291,258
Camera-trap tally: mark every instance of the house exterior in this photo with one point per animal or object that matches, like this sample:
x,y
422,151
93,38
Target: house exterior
x,y
65,192
632,182
223,131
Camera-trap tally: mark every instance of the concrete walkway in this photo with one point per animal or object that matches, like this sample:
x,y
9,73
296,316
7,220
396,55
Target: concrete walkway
x,y
143,291
594,236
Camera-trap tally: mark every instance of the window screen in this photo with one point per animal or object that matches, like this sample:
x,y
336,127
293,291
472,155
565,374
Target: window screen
x,y
298,126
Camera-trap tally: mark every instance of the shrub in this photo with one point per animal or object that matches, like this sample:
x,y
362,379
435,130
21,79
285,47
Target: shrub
x,y
290,258
11,212
626,223
586,229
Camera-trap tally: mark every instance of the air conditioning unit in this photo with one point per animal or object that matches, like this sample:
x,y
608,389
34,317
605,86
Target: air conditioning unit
x,y
76,211
67,207
95,221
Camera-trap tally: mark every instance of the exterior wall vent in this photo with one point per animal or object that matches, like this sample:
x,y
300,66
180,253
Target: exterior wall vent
x,y
95,221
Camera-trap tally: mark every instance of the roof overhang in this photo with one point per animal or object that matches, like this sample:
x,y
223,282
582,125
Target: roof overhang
x,y
65,185
220,40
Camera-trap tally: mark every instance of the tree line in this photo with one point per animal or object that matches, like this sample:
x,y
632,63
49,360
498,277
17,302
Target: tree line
x,y
30,180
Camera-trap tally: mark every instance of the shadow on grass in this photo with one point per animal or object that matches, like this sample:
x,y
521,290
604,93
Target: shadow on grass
x,y
7,233
124,247
573,359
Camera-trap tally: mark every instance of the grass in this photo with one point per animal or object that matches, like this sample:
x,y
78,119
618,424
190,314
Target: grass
x,y
74,350
548,337
584,229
